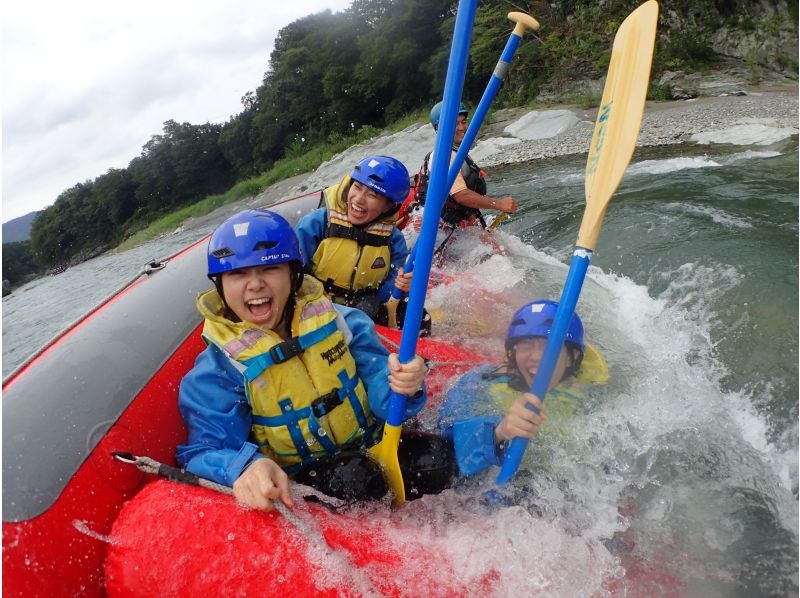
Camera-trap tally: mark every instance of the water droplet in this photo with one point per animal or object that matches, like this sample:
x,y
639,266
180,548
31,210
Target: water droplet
x,y
231,537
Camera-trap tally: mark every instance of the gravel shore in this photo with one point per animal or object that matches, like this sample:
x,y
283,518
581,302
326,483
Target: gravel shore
x,y
664,123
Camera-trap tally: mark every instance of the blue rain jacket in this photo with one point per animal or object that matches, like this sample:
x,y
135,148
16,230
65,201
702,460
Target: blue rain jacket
x,y
472,435
213,404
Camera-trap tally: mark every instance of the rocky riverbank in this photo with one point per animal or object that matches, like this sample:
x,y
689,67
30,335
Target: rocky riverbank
x,y
664,123
749,116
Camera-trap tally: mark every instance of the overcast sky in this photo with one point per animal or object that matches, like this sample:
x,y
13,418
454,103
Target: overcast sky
x,y
87,83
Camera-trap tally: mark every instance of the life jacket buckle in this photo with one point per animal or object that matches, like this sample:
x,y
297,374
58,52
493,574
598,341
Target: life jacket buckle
x,y
285,350
322,406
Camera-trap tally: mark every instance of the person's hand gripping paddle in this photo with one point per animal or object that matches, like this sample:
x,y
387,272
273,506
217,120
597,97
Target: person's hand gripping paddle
x,y
385,452
522,22
618,121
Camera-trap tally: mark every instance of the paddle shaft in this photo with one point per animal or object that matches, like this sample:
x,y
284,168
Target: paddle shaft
x,y
385,452
613,141
456,70
523,22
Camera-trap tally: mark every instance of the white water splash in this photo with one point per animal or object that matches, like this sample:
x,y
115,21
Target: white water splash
x,y
664,444
751,155
749,133
649,167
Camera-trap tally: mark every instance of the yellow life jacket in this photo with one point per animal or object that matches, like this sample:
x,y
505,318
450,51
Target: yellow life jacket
x,y
351,262
564,401
306,398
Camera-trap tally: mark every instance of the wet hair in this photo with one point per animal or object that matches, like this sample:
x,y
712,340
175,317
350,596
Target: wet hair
x,y
296,275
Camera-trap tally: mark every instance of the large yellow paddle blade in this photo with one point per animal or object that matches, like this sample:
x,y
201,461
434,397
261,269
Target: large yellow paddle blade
x,y
619,117
385,454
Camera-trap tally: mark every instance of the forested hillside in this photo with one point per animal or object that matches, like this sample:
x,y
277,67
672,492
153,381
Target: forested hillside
x,y
330,75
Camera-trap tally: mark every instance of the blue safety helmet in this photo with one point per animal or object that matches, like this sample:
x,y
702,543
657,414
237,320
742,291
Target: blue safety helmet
x,y
383,175
252,238
436,113
535,319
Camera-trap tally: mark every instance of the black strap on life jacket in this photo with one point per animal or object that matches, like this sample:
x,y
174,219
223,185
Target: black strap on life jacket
x,y
358,235
453,212
345,294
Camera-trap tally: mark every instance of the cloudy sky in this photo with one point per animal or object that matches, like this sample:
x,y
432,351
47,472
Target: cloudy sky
x,y
87,83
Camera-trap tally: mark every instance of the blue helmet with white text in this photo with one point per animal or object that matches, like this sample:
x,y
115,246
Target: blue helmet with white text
x,y
385,175
252,238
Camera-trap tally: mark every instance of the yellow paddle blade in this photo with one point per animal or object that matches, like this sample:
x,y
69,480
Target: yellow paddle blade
x,y
391,310
619,117
496,222
385,454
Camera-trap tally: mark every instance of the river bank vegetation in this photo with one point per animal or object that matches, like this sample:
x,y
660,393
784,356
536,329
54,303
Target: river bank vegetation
x,y
333,80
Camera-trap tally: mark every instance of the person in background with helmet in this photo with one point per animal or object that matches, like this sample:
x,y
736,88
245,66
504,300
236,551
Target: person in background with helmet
x,y
352,245
291,385
488,406
467,196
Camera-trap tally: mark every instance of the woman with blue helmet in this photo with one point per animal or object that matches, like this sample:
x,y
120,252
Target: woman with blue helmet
x,y
488,406
352,245
289,385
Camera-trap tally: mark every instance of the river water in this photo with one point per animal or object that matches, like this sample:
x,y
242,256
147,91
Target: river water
x,y
682,479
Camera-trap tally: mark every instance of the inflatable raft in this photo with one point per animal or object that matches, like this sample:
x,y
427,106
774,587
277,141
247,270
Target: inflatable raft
x,y
109,383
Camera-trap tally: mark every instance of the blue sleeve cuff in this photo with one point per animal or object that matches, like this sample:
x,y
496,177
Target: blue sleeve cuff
x,y
474,444
241,461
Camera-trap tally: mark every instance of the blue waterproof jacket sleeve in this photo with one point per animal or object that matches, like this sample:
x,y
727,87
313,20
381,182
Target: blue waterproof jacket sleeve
x,y
310,231
472,435
213,404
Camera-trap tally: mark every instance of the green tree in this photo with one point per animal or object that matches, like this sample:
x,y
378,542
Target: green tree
x,y
184,163
116,190
18,262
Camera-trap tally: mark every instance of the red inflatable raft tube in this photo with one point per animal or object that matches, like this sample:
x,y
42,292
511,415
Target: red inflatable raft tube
x,y
110,383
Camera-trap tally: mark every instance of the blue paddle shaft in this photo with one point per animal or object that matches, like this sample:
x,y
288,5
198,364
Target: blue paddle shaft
x,y
541,383
489,94
475,123
437,191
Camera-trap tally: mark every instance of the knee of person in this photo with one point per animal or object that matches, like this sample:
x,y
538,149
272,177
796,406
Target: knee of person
x,y
371,306
428,464
356,477
425,323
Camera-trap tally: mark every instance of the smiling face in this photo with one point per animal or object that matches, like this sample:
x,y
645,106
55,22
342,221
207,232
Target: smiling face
x,y
259,294
528,354
461,129
365,205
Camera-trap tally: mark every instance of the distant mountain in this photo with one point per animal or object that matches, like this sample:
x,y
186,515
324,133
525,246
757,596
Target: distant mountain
x,y
18,229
